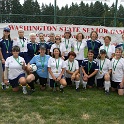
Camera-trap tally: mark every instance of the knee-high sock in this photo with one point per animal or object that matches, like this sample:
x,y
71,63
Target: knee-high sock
x,y
31,84
107,85
77,84
84,84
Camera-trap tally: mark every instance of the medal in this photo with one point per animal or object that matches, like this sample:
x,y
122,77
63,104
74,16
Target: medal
x,y
42,70
70,68
101,66
7,46
17,60
34,48
89,66
66,45
106,49
93,45
7,52
100,72
56,71
114,66
22,43
78,47
42,62
57,65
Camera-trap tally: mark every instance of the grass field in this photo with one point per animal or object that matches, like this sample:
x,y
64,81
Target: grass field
x,y
46,107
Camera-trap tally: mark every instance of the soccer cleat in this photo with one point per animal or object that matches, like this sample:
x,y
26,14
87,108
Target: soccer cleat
x,y
31,91
107,92
24,90
77,89
61,90
7,86
3,87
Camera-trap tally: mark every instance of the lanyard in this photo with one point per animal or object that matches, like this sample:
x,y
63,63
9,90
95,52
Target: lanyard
x,y
70,68
66,45
106,48
17,60
42,61
34,47
7,45
93,45
58,46
89,66
78,47
22,43
57,64
101,65
114,66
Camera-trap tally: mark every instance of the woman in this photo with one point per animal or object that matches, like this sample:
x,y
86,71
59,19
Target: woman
x,y
15,70
22,42
67,42
58,44
72,70
56,68
110,49
41,73
32,46
6,44
94,44
103,75
89,69
50,42
117,65
42,42
79,46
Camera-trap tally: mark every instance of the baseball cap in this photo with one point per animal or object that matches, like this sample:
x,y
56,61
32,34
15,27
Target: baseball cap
x,y
6,29
42,47
102,51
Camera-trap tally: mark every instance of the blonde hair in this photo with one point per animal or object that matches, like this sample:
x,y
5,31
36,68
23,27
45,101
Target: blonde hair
x,y
32,34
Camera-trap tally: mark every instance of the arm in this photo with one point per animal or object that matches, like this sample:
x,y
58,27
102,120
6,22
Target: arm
x,y
6,75
1,57
62,72
94,73
51,73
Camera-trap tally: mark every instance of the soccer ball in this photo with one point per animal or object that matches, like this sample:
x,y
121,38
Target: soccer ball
x,y
33,67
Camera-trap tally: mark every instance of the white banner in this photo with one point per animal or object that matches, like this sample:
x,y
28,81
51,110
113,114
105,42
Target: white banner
x,y
46,29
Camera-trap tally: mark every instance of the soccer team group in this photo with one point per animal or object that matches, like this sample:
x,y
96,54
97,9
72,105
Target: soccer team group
x,y
57,64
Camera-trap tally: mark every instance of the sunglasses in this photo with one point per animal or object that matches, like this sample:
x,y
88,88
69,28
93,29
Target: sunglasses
x,y
57,38
6,31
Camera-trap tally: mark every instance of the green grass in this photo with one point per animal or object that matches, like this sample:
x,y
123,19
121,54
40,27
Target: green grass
x,y
46,107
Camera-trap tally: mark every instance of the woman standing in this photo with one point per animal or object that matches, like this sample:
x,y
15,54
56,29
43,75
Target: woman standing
x,y
5,50
94,44
67,42
110,49
32,46
72,70
56,68
22,42
89,69
14,70
117,64
58,44
79,46
103,75
41,73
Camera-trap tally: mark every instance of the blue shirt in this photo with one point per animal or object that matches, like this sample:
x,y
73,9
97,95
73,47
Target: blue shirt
x,y
93,67
50,43
31,52
4,44
41,71
94,45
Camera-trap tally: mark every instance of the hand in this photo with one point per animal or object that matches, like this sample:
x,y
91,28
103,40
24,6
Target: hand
x,y
63,57
3,61
121,85
6,81
23,65
54,78
73,77
85,75
59,78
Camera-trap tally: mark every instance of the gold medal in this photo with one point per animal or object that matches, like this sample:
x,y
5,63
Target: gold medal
x,y
42,70
56,71
7,52
34,54
113,72
100,72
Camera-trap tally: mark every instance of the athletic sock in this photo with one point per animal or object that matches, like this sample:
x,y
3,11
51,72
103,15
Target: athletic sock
x,y
2,83
107,85
77,84
31,84
61,86
84,84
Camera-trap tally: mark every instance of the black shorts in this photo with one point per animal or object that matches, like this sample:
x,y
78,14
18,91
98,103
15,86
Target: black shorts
x,y
80,62
116,85
43,81
15,82
91,81
100,82
68,80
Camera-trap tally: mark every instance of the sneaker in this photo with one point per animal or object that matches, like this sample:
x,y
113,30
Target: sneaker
x,y
24,90
7,86
107,92
77,89
61,90
3,87
31,91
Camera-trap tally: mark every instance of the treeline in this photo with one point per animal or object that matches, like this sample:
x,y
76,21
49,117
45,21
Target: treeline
x,y
82,14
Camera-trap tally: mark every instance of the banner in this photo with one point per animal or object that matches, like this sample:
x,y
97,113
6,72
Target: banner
x,y
46,29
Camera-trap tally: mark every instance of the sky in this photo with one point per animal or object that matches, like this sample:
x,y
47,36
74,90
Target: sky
x,y
61,3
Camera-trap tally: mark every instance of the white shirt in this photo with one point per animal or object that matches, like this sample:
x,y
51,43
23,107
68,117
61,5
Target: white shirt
x,y
52,64
118,73
74,67
109,49
19,43
61,46
79,49
105,69
15,69
68,45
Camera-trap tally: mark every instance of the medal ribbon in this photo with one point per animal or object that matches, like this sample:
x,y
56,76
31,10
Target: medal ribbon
x,y
66,45
101,65
57,64
70,68
34,47
78,47
89,66
93,45
7,45
17,60
22,43
114,67
42,61
106,48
